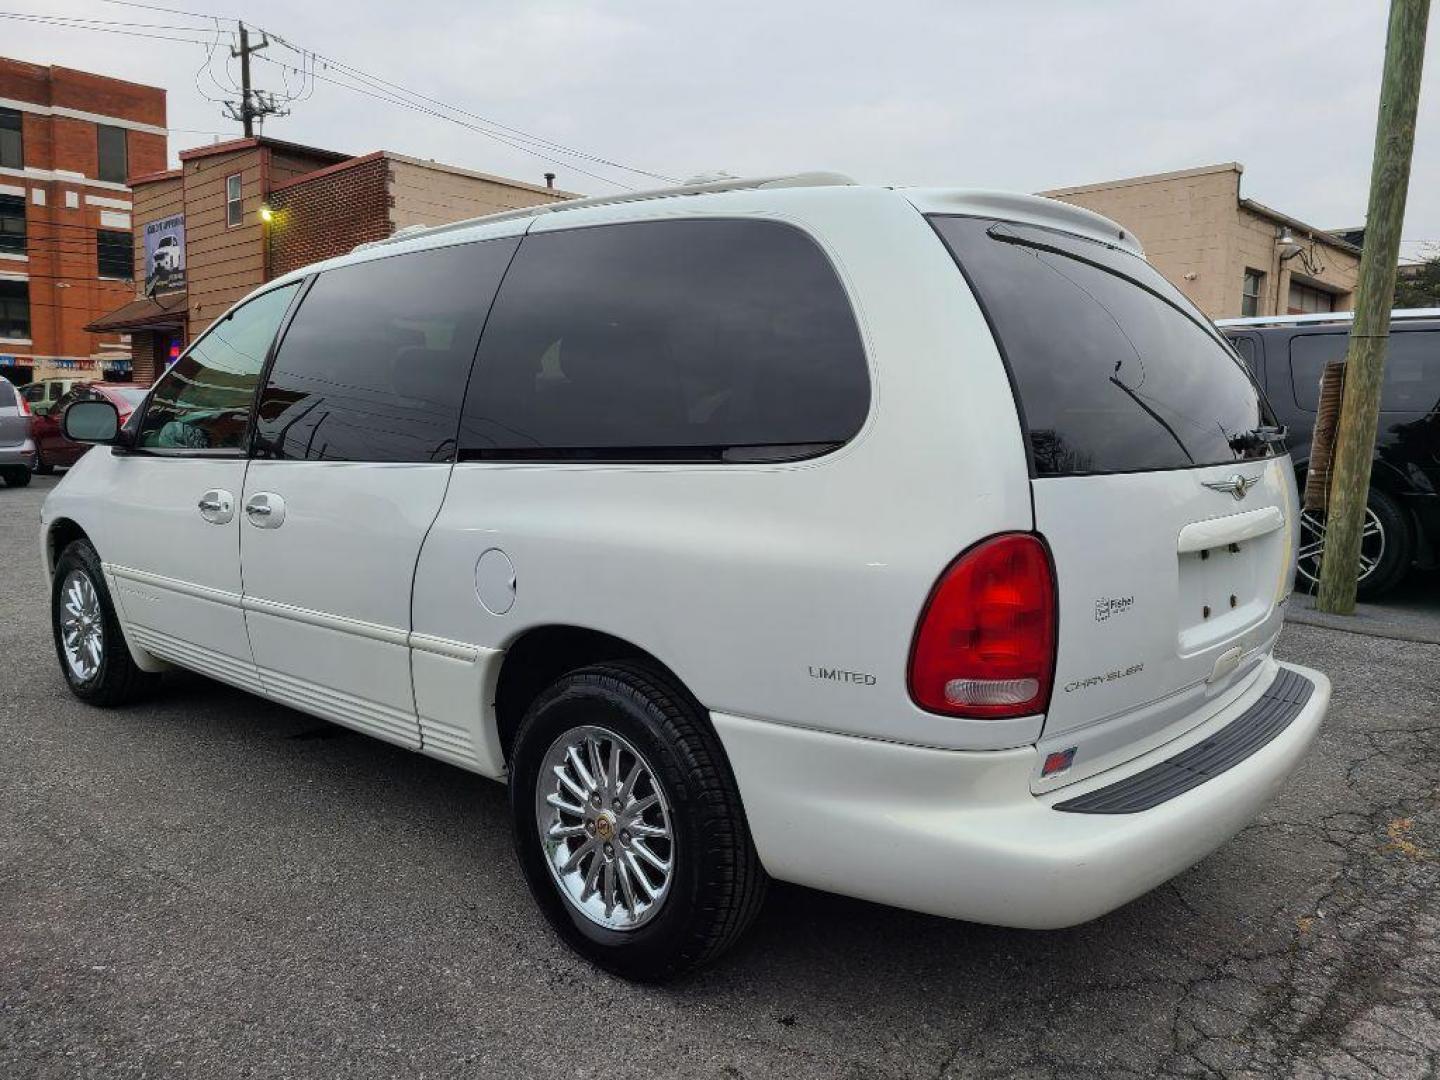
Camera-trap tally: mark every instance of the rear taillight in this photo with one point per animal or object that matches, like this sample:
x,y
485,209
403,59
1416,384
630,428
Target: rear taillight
x,y
985,644
24,405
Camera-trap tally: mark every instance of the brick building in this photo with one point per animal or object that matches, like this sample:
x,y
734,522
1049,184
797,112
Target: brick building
x,y
68,142
1231,255
239,213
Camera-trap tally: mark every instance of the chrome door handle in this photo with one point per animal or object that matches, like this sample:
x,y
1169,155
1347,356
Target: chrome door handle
x,y
265,510
217,506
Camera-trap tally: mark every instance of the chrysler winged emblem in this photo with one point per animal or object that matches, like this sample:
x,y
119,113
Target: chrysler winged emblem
x,y
1237,485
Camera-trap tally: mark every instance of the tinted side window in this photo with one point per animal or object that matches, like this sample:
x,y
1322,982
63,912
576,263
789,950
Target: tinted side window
x,y
373,365
1115,371
676,340
203,401
7,395
1245,346
1412,368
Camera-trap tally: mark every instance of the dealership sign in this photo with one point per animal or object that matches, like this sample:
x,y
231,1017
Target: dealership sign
x,y
165,254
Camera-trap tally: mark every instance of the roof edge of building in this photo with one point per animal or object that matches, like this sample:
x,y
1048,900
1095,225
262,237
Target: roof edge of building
x,y
1148,178
82,71
457,170
328,170
109,78
253,141
1323,235
154,177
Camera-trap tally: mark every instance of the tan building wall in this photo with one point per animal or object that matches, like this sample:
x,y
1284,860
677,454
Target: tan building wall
x,y
425,193
223,262
1202,235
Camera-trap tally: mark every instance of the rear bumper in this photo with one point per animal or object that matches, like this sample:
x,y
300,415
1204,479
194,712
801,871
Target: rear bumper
x,y
18,454
959,834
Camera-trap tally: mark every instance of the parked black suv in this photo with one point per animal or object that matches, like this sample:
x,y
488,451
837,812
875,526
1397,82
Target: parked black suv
x,y
1402,526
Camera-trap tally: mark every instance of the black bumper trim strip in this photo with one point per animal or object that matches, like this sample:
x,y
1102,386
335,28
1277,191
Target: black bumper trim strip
x,y
1271,714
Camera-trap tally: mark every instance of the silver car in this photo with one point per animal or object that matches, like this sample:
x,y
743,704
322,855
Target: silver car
x,y
17,446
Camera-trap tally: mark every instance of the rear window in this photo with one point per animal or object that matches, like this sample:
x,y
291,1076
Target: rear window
x,y
1412,369
7,395
1114,370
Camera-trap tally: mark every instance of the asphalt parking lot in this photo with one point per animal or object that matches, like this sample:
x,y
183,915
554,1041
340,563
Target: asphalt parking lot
x,y
211,886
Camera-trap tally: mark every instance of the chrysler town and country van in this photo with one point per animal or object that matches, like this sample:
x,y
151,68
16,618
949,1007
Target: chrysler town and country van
x,y
922,546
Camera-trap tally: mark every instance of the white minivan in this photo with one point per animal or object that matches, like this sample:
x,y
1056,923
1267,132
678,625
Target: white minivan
x,y
922,546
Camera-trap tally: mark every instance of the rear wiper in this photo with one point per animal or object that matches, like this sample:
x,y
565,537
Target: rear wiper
x,y
1258,438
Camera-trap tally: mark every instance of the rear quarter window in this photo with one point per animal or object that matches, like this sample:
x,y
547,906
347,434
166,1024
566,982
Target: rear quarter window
x,y
1113,369
695,340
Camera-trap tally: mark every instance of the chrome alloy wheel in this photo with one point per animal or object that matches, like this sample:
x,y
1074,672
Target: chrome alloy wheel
x,y
82,626
1312,545
605,827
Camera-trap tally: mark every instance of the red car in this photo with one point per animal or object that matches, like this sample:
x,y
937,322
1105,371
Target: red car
x,y
53,448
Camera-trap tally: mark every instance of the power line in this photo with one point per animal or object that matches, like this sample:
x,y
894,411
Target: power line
x,y
167,10
516,132
370,85
377,82
43,20
392,100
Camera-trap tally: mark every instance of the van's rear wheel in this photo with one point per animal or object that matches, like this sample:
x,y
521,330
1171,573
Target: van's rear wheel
x,y
628,824
1386,547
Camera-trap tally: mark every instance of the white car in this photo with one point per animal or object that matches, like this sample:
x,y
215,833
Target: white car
x,y
168,254
922,546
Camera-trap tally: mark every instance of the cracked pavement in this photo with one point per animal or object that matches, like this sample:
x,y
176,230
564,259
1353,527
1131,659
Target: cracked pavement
x,y
208,885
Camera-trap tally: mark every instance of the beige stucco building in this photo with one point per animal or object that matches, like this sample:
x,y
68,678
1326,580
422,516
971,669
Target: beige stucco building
x,y
1231,255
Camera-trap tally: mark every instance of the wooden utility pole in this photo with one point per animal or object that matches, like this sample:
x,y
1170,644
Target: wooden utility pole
x,y
1365,356
251,104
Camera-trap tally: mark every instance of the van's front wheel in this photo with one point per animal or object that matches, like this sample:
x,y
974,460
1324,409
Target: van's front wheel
x,y
628,825
88,640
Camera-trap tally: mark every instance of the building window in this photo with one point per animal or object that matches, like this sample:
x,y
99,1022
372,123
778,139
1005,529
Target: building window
x,y
12,224
114,254
1307,300
1250,292
234,208
15,310
114,160
12,139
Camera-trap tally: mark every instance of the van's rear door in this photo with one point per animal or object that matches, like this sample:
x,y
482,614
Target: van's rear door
x,y
1168,507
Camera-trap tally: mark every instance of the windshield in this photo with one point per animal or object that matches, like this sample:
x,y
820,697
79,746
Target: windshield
x,y
1114,369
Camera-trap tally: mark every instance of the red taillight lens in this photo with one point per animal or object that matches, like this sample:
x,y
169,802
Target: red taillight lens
x,y
985,645
24,405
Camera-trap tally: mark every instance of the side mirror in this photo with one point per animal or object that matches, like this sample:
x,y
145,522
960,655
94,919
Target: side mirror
x,y
91,422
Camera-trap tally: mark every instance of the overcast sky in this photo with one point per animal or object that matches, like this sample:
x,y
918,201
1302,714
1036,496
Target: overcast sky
x,y
1025,95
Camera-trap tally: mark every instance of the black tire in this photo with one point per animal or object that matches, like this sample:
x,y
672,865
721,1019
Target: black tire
x,y
19,477
1393,549
116,680
43,467
717,884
